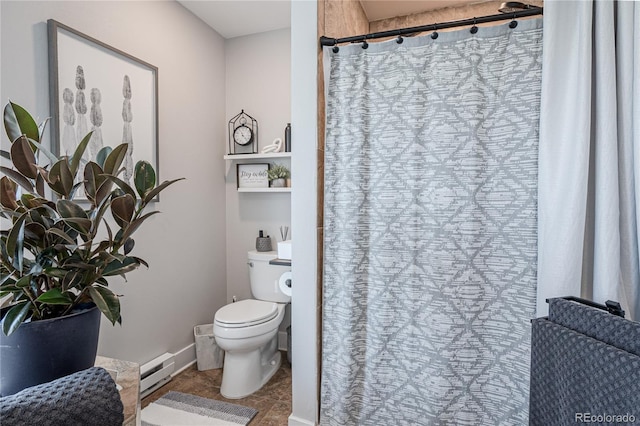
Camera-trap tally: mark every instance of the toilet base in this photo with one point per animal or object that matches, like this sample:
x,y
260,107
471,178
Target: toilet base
x,y
244,373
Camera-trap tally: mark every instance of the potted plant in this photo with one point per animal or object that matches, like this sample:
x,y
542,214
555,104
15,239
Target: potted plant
x,y
277,175
58,252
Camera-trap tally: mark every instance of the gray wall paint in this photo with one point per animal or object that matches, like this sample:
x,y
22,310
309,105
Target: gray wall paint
x,y
258,80
185,245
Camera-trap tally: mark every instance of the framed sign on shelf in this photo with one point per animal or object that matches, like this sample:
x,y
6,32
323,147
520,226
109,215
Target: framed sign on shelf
x,y
97,88
253,175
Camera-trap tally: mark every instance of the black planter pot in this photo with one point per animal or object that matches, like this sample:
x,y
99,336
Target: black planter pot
x,y
41,351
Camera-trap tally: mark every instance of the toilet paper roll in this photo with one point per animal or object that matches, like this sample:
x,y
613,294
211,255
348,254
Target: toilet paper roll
x,y
285,283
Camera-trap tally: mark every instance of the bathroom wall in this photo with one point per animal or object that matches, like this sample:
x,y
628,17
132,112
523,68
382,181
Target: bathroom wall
x,y
258,80
185,244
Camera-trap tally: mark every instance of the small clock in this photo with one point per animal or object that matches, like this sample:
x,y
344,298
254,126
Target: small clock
x,y
243,135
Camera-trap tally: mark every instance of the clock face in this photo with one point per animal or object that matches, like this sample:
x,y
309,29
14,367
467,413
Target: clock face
x,y
242,135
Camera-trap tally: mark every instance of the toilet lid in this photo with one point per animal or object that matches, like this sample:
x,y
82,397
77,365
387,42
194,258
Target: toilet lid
x,y
246,313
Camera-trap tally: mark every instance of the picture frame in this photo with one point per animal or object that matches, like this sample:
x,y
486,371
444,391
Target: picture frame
x,y
252,175
96,87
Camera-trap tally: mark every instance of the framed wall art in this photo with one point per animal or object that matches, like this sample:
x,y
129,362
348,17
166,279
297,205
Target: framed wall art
x,y
95,87
253,175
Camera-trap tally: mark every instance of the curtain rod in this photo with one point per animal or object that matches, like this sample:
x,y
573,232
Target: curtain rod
x,y
327,41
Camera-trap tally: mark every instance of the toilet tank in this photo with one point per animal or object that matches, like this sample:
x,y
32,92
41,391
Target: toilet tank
x,y
265,277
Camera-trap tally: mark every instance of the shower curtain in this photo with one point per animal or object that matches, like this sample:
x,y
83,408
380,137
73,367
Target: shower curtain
x,y
430,228
589,198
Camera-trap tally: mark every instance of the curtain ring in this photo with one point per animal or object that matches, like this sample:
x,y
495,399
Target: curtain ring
x,y
435,32
474,29
513,23
399,40
335,49
365,45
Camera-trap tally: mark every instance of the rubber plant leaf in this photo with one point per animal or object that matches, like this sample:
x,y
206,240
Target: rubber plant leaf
x,y
18,178
60,178
79,152
122,209
144,177
74,216
18,122
15,316
116,267
15,241
106,301
114,159
102,155
23,158
133,226
55,297
8,193
159,188
92,179
126,188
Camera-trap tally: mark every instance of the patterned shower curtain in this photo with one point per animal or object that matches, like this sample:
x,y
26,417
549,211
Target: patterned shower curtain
x,y
430,228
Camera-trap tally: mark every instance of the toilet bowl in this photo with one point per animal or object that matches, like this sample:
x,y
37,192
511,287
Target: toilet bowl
x,y
248,330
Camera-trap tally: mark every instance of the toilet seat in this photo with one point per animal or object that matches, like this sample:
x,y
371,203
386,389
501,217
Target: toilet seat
x,y
246,313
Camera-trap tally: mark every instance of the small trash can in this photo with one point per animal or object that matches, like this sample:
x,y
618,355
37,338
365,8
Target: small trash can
x,y
208,354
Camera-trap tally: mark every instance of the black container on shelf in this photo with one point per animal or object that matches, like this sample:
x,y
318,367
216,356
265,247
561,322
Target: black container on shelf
x,y
287,138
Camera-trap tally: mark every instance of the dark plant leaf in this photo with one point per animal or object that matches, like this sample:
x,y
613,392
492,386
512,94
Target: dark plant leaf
x,y
128,245
107,301
8,193
55,297
23,158
122,209
42,127
24,281
60,178
18,178
17,122
83,226
151,194
15,241
104,190
79,152
69,209
15,316
144,177
40,184
35,232
133,226
92,179
116,267
44,150
114,159
102,155
60,233
126,188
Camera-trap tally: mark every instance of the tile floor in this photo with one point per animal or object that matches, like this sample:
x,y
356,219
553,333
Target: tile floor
x,y
273,401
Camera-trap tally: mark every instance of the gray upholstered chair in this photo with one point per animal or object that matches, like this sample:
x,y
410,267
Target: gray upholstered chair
x,y
88,397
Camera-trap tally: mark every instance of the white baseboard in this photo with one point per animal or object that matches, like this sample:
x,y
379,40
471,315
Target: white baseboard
x,y
297,421
184,358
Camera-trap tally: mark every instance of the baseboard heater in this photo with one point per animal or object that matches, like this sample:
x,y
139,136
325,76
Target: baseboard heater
x,y
156,373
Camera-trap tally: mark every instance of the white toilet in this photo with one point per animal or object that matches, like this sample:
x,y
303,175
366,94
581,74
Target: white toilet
x,y
248,330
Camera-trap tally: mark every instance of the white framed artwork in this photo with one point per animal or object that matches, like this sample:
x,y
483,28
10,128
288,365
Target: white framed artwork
x,y
96,87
